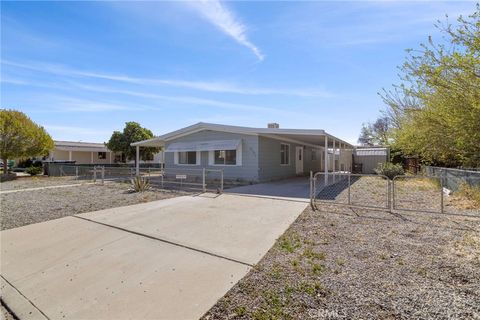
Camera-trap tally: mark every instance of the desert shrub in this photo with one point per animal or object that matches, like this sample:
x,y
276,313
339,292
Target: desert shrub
x,y
33,171
140,184
390,170
470,192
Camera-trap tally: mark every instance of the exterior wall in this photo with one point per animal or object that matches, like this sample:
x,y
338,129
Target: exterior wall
x,y
313,165
369,163
80,157
58,155
247,171
269,160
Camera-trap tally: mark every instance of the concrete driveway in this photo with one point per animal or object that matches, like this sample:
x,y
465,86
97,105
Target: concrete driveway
x,y
288,189
167,259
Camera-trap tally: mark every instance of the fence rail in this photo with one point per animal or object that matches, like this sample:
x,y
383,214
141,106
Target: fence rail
x,y
453,179
355,190
170,178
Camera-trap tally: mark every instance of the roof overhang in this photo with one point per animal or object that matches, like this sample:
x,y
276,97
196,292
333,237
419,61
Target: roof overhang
x,y
156,142
81,149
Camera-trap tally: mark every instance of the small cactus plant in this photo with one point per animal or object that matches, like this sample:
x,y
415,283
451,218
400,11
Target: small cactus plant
x,y
140,184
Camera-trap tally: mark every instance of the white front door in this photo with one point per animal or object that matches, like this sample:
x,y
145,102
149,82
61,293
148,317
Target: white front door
x,y
299,160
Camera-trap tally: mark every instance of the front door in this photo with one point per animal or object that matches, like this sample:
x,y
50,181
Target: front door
x,y
299,160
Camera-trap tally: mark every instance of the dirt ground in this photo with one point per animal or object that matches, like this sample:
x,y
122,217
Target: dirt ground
x,y
339,263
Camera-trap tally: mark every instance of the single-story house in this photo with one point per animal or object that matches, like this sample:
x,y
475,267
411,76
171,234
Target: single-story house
x,y
253,154
90,153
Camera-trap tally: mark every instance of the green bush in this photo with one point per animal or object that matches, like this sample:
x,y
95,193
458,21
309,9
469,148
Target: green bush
x,y
33,171
390,170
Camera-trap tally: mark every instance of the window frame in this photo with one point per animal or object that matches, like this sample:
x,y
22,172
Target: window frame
x,y
283,152
176,159
104,155
238,158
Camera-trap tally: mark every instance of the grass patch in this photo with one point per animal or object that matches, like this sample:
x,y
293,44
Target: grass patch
x,y
312,255
290,243
468,196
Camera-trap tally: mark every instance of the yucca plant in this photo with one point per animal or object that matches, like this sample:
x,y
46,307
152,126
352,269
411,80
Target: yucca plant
x,y
140,184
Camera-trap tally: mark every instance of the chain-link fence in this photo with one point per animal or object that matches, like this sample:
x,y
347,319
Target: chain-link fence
x,y
453,179
191,179
187,179
418,193
356,190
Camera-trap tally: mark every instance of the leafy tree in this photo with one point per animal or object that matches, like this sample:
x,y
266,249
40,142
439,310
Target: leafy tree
x,y
375,134
435,112
21,137
133,132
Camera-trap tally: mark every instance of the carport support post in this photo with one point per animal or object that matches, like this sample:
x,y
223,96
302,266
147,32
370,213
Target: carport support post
x,y
334,160
204,187
137,161
325,165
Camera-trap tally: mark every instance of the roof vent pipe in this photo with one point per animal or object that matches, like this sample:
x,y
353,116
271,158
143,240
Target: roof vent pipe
x,y
273,125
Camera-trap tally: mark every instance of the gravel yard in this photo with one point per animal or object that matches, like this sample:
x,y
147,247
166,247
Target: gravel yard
x,y
27,207
359,264
36,182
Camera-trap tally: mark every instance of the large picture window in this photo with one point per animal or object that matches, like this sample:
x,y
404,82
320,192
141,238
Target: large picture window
x,y
284,154
189,157
225,157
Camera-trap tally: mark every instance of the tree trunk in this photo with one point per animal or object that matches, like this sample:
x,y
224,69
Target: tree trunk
x,y
5,166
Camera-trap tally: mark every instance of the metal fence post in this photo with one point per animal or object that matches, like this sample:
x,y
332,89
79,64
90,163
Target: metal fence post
x,y
221,181
393,193
389,206
204,186
94,174
441,195
103,175
76,172
349,182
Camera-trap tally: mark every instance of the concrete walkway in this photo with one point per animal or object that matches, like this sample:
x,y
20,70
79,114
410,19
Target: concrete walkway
x,y
167,259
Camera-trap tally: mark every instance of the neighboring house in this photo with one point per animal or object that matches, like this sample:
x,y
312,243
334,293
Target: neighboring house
x,y
253,154
90,153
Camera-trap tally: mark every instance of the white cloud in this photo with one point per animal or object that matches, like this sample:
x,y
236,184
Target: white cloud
x,y
209,86
224,19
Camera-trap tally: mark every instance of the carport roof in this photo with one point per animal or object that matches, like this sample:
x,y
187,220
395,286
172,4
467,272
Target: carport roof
x,y
314,137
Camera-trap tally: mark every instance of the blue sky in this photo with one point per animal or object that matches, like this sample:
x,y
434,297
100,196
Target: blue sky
x,y
82,69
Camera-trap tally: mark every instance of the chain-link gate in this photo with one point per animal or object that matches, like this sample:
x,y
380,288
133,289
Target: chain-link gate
x,y
356,190
418,193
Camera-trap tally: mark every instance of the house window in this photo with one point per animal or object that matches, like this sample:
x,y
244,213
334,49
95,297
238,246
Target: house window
x,y
102,155
284,154
314,155
189,157
225,157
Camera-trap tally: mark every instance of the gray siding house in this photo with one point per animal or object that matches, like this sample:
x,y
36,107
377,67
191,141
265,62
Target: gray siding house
x,y
253,154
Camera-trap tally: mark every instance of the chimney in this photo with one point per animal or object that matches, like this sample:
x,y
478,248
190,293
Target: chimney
x,y
273,125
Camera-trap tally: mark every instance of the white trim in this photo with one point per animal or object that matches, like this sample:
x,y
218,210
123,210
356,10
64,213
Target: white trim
x,y
289,155
198,159
238,158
